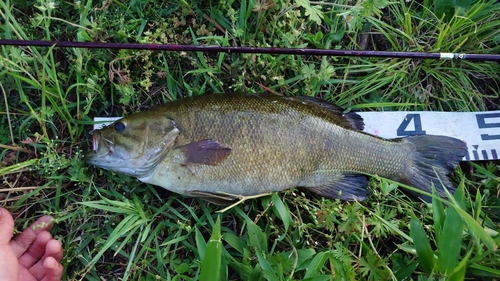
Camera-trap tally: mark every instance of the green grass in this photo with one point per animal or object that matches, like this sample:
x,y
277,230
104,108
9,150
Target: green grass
x,y
115,228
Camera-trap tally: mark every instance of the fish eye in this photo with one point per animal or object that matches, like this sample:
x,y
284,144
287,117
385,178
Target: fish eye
x,y
119,127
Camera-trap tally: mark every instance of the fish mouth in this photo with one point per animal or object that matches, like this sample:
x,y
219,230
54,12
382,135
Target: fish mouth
x,y
105,154
101,147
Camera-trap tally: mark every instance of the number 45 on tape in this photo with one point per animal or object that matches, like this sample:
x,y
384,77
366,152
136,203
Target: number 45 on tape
x,y
480,130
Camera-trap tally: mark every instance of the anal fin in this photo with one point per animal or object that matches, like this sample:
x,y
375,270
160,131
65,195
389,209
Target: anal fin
x,y
350,187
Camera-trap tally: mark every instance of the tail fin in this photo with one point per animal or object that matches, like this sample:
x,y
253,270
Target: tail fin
x,y
436,157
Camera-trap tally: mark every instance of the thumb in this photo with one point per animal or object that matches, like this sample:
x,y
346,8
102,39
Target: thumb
x,y
6,226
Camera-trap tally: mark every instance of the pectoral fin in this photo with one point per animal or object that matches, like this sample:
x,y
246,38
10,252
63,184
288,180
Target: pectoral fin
x,y
215,198
206,152
349,187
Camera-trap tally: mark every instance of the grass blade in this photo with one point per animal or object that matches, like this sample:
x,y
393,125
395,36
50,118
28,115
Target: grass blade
x,y
256,237
267,270
283,212
211,264
316,264
437,214
450,241
201,245
422,246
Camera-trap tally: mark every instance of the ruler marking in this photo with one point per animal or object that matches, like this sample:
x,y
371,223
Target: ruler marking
x,y
417,126
485,154
481,120
490,137
494,154
482,124
474,152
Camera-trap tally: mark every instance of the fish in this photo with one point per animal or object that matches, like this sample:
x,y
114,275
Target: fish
x,y
221,147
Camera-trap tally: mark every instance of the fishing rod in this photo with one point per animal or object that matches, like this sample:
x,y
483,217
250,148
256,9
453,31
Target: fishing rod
x,y
253,50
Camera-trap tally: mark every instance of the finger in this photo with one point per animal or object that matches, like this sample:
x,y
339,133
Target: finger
x,y
36,251
54,269
6,226
8,262
24,240
52,251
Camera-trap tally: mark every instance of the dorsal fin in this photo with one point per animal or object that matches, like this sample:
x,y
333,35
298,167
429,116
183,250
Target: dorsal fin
x,y
352,118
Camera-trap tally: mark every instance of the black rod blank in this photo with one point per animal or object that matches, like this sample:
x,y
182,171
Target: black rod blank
x,y
254,50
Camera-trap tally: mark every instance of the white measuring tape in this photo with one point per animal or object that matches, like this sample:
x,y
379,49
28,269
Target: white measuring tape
x,y
480,130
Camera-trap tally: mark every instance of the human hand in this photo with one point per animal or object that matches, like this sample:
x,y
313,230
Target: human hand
x,y
31,256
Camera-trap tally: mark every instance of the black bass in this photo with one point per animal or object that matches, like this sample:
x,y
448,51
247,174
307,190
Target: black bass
x,y
219,147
